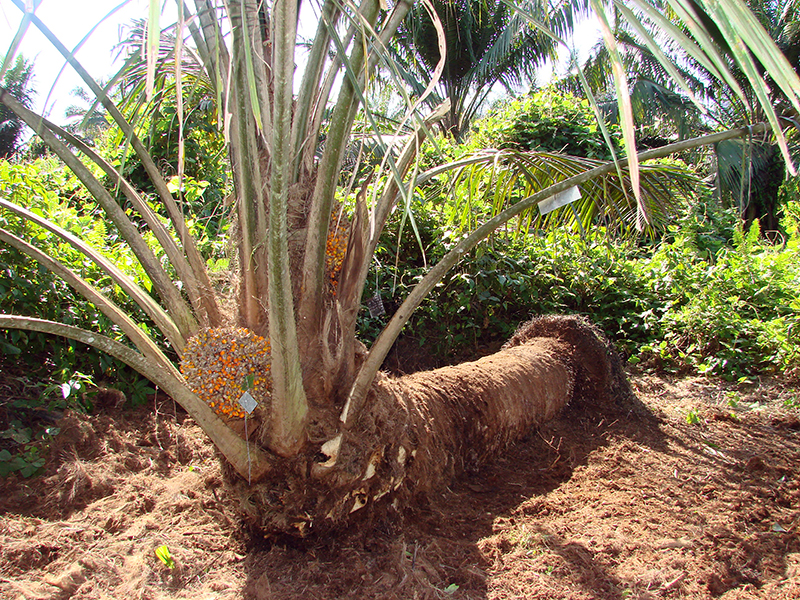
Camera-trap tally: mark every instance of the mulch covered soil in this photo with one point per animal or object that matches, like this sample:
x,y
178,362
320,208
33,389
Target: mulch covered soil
x,y
639,503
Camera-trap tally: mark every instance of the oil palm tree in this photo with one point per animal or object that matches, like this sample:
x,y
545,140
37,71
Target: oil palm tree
x,y
310,431
90,123
660,110
750,171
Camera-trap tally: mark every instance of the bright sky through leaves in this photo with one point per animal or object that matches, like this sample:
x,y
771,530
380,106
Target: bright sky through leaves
x,y
71,20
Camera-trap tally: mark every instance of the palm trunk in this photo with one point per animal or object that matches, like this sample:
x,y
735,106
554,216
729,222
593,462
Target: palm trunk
x,y
422,429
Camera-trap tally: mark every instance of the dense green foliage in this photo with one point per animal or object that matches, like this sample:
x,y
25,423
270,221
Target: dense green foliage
x,y
46,373
17,80
28,288
54,373
206,181
708,298
547,120
704,296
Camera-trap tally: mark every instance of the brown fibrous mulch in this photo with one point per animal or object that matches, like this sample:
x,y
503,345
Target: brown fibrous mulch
x,y
694,492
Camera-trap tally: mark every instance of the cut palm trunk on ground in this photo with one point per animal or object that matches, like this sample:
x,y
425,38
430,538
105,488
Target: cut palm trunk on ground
x,y
418,431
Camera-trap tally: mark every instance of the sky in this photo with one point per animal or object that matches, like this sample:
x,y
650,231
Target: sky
x,y
71,20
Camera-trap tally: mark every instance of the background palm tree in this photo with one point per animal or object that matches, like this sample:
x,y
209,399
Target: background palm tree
x,y
90,122
486,43
749,172
17,81
660,110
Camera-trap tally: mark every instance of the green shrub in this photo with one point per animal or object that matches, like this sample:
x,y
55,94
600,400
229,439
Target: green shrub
x,y
26,288
707,299
735,315
547,120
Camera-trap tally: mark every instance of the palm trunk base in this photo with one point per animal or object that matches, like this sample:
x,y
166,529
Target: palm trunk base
x,y
421,430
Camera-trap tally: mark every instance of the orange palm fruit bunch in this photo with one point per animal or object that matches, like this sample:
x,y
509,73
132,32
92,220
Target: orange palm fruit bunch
x,y
221,364
335,249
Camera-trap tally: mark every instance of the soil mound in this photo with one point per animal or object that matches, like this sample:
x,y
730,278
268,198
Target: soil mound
x,y
594,504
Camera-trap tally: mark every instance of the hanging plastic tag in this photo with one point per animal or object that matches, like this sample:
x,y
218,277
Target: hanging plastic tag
x,y
247,402
558,200
375,305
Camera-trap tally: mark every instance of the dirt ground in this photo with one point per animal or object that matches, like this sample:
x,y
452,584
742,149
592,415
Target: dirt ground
x,y
639,504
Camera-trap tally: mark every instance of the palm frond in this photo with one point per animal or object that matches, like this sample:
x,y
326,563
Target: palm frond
x,y
511,176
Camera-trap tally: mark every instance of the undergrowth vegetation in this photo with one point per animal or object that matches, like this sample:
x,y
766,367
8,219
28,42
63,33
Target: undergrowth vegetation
x,y
708,297
27,287
703,296
44,374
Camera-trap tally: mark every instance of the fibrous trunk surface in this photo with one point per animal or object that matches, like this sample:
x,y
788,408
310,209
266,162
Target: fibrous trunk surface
x,y
419,431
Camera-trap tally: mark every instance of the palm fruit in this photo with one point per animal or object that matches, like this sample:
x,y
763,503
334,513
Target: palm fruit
x,y
221,364
335,249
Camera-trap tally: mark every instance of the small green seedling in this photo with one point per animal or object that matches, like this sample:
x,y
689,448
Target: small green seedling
x,y
162,552
693,417
793,402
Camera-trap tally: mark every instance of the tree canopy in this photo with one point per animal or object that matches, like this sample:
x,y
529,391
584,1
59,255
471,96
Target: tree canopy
x,y
17,81
485,42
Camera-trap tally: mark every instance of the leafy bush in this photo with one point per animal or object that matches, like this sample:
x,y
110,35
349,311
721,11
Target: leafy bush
x,y
45,187
28,288
206,181
548,120
47,373
736,315
708,298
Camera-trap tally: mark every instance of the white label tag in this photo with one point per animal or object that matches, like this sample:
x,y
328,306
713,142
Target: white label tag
x,y
558,200
247,402
375,306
